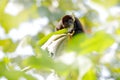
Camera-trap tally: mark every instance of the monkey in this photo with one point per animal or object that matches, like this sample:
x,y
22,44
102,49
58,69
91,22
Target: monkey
x,y
54,43
72,23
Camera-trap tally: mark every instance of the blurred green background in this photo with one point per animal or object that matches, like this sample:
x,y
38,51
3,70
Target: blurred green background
x,y
94,56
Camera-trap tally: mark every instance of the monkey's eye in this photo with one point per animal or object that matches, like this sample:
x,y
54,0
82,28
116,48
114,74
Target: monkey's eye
x,y
66,21
70,21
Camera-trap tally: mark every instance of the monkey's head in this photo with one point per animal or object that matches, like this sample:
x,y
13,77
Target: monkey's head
x,y
67,21
71,23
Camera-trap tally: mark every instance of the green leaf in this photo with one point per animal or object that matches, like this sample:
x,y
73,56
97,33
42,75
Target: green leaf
x,y
117,31
7,45
61,68
63,4
2,67
3,4
91,19
8,21
12,74
44,39
74,42
98,42
109,4
16,75
42,62
90,75
45,63
73,74
46,3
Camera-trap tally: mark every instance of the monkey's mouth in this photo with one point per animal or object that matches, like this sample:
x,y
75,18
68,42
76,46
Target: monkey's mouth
x,y
70,28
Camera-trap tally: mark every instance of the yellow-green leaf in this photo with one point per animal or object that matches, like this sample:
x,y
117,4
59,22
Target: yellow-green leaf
x,y
44,39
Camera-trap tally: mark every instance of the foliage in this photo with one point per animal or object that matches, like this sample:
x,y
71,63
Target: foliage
x,y
98,48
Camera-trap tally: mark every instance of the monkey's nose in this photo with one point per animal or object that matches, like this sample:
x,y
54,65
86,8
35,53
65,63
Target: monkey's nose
x,y
70,22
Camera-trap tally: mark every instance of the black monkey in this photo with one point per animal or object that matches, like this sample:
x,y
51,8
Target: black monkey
x,y
55,43
72,24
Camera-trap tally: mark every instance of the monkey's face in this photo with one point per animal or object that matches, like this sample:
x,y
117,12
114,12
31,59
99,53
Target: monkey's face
x,y
68,22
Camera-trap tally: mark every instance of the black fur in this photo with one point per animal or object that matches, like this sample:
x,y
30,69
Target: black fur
x,y
78,28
